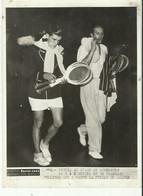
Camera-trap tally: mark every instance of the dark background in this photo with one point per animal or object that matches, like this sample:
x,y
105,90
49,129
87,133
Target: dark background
x,y
120,128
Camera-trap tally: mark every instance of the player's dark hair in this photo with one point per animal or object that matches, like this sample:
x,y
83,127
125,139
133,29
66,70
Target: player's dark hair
x,y
95,26
54,29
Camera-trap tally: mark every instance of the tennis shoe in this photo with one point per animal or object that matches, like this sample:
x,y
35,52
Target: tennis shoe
x,y
38,158
82,139
45,150
95,155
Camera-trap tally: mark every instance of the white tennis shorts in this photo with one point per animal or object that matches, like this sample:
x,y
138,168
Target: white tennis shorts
x,y
44,104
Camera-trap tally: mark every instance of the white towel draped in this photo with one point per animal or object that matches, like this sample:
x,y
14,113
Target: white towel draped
x,y
49,56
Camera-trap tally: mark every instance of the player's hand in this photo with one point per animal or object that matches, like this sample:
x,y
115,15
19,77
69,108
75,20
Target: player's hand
x,y
94,44
49,76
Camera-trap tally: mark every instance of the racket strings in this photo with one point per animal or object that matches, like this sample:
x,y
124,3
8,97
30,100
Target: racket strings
x,y
79,74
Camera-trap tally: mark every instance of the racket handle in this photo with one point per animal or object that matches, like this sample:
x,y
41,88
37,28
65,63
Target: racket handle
x,y
40,85
42,89
58,81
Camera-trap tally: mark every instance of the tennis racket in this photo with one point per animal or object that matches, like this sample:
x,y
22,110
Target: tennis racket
x,y
77,73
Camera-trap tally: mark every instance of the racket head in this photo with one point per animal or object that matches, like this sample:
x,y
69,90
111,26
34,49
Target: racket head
x,y
125,62
120,64
77,73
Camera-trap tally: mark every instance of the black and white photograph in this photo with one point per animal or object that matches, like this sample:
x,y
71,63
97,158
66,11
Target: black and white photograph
x,y
71,91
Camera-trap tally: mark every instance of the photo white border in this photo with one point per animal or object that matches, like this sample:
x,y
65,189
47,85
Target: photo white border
x,y
12,182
